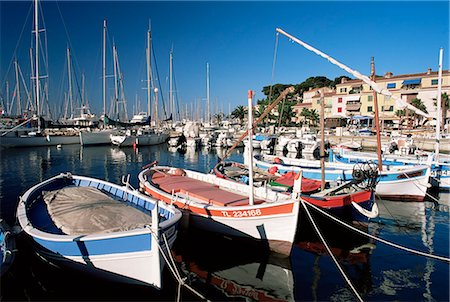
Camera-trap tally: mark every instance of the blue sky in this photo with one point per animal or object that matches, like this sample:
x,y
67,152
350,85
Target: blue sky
x,y
237,39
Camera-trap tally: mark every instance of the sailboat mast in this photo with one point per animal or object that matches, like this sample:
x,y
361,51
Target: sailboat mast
x,y
69,72
377,118
439,109
116,88
36,60
104,69
149,73
250,146
322,140
19,105
172,105
208,119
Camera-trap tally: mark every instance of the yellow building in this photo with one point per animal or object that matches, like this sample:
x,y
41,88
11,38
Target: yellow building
x,y
354,97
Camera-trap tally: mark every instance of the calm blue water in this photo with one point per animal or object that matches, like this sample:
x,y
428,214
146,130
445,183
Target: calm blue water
x,y
223,269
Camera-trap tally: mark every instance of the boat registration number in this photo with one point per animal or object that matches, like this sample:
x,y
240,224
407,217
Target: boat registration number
x,y
239,214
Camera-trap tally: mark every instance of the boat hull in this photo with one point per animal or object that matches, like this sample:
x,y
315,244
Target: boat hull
x,y
95,138
130,256
38,141
408,184
272,222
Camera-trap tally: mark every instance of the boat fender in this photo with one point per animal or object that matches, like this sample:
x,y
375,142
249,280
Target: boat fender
x,y
273,170
277,160
370,214
177,172
152,164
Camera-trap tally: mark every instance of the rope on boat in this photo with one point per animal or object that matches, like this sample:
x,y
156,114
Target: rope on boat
x,y
437,257
331,254
173,268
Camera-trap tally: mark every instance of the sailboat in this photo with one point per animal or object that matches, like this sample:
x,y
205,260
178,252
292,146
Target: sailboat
x,y
20,137
142,135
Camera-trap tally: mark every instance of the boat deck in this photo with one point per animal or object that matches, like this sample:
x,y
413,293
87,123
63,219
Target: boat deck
x,y
202,191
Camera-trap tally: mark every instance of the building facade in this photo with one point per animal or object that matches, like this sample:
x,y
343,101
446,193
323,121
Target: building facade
x,y
355,98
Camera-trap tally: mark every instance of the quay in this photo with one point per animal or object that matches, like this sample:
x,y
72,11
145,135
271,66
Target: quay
x,y
370,142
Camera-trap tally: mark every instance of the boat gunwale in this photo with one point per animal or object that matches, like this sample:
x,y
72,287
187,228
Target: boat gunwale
x,y
26,225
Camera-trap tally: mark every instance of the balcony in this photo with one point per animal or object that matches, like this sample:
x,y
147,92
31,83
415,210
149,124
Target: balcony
x,y
353,106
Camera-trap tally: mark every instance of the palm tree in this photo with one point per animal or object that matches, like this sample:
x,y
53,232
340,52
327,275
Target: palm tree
x,y
239,112
419,105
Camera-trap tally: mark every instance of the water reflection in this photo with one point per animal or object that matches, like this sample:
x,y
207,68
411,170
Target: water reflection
x,y
234,268
224,271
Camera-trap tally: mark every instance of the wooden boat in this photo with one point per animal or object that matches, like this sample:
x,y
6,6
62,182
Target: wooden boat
x,y
440,171
7,247
339,200
98,227
220,205
239,172
398,183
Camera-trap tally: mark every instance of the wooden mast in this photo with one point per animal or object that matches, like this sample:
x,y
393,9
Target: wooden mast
x,y
250,146
377,119
322,140
438,103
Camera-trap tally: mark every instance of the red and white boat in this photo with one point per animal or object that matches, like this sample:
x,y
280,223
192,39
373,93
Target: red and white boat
x,y
350,201
223,206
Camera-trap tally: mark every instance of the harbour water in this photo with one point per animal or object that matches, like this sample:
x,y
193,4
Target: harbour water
x,y
224,269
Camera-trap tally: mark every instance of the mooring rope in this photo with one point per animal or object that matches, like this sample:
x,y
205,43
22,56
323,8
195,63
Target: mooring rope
x,y
172,266
445,259
331,254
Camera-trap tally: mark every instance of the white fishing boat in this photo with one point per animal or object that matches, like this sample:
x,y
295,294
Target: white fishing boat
x,y
397,183
99,227
90,137
144,136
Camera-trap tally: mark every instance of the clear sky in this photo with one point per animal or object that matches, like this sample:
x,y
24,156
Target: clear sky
x,y
236,38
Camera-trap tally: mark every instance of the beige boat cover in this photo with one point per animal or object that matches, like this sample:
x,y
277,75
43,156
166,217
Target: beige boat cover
x,y
87,210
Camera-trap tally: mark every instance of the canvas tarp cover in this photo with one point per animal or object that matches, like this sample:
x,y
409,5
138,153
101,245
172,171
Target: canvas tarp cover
x,y
87,210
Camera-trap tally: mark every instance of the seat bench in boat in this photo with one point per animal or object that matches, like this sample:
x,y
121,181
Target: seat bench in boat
x,y
202,191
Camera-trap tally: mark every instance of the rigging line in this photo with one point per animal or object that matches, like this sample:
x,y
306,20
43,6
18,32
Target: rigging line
x,y
176,92
159,83
273,65
17,44
344,275
445,259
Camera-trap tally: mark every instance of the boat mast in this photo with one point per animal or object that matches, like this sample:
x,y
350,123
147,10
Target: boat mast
x,y
149,73
69,72
208,119
116,88
322,140
104,70
19,106
250,146
36,59
377,118
172,105
439,103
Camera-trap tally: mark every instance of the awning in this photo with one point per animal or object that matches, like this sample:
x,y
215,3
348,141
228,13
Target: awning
x,y
412,82
352,98
361,117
